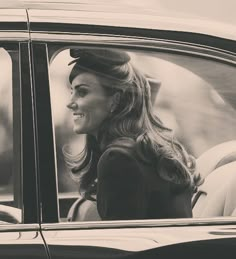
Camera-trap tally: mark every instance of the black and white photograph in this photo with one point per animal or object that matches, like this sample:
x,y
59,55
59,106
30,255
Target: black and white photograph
x,y
117,129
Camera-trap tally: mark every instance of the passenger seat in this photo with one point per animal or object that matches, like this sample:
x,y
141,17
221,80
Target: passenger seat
x,y
217,195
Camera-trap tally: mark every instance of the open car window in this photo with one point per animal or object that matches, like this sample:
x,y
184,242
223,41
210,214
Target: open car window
x,y
192,95
10,164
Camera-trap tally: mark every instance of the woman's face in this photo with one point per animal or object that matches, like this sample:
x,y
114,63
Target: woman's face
x,y
89,103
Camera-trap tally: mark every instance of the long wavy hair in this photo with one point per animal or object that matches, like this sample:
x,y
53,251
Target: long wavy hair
x,y
133,118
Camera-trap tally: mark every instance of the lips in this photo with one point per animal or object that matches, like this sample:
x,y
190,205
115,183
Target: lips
x,y
78,115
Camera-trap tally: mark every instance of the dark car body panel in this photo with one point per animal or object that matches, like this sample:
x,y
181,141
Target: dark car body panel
x,y
140,241
21,241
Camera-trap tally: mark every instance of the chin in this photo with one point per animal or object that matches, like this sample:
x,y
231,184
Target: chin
x,y
78,130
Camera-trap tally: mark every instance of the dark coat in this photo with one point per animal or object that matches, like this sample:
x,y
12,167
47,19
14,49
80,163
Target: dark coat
x,y
129,188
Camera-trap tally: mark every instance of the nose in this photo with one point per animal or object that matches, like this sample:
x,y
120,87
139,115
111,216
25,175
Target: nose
x,y
72,105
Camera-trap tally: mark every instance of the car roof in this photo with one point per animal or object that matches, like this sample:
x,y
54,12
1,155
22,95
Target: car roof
x,y
217,10
212,17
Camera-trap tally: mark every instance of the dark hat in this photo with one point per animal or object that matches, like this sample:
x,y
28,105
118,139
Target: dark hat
x,y
97,60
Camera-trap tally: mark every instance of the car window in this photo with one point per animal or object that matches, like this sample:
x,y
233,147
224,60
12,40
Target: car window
x,y
10,184
193,96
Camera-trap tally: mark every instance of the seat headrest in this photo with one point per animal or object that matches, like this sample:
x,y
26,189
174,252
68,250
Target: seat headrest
x,y
215,157
217,195
227,159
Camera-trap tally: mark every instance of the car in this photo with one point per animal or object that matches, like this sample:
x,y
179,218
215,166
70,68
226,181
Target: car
x,y
191,59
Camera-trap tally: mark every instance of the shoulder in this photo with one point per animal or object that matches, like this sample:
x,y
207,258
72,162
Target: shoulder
x,y
119,156
123,144
121,148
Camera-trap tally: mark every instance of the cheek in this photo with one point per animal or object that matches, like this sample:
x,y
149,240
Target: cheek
x,y
97,108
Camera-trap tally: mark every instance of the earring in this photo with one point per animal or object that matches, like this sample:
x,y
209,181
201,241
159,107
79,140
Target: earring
x,y
116,100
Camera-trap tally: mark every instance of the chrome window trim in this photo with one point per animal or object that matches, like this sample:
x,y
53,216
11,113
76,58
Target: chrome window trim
x,y
18,227
140,223
136,42
16,36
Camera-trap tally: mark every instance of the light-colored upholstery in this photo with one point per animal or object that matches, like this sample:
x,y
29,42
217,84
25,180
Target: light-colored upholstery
x,y
216,156
217,195
10,214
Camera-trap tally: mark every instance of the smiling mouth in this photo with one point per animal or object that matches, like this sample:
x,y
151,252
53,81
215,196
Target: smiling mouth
x,y
78,115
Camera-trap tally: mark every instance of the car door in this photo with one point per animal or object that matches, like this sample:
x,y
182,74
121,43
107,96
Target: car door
x,y
194,101
19,211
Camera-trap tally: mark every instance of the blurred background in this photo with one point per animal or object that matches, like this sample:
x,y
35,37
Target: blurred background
x,y
6,125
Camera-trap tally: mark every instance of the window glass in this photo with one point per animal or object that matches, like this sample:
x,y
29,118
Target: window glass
x,y
192,96
10,195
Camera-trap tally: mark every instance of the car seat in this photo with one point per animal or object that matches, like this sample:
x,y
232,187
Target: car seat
x,y
217,195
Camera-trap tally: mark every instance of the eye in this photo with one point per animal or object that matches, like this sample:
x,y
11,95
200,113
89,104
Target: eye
x,y
81,91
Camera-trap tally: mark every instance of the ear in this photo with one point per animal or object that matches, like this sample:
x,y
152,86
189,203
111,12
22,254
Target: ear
x,y
115,101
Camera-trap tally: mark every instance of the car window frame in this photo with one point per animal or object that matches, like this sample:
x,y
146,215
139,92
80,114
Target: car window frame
x,y
24,160
135,43
14,32
44,136
29,160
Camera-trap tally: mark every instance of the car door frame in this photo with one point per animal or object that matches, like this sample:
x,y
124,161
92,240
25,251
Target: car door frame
x,y
42,33
64,34
24,238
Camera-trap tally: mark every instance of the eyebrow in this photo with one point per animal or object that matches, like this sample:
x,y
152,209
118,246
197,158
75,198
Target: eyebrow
x,y
79,85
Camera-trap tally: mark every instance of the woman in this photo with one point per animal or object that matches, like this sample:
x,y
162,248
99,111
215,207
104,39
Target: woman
x,y
131,167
